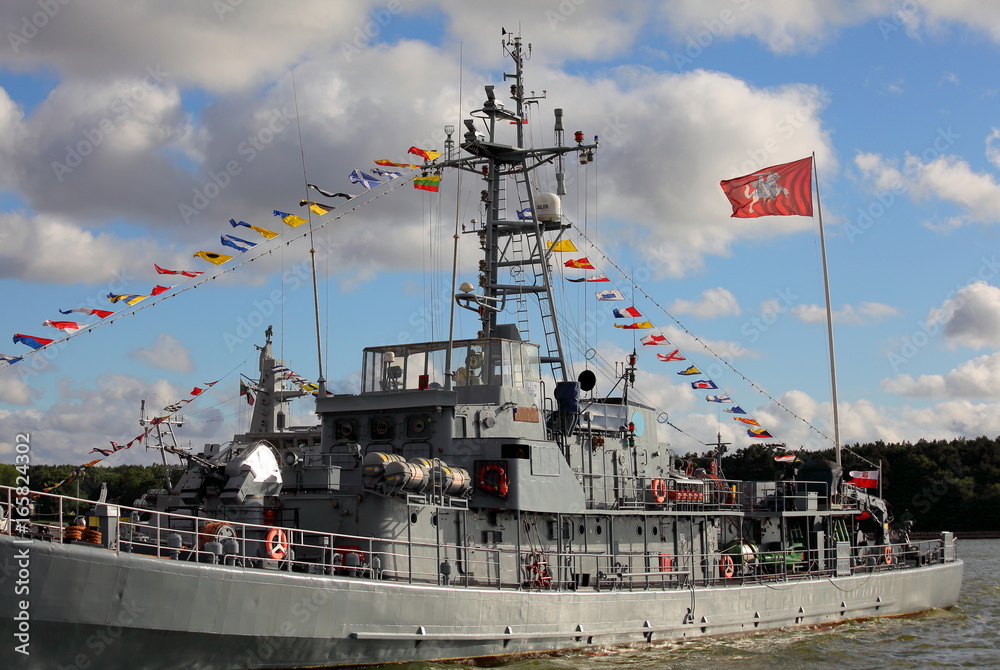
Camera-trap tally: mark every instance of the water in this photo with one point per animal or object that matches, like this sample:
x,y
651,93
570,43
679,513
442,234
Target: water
x,y
967,636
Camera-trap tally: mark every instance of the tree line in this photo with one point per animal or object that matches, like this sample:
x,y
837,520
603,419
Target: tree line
x,y
938,484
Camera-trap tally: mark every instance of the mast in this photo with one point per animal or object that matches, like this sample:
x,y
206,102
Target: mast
x,y
829,316
512,242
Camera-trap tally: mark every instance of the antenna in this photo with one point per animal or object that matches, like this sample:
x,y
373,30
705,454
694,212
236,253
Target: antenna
x,y
321,379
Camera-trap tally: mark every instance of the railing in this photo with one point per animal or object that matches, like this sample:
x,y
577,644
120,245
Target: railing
x,y
189,538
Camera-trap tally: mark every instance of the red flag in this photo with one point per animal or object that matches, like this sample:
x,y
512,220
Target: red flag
x,y
157,290
389,163
32,341
197,391
84,310
424,153
779,190
674,355
579,263
68,326
186,273
654,339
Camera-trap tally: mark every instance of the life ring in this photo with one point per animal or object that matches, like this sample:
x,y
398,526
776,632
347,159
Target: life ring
x,y
666,563
726,567
658,489
887,555
276,543
500,488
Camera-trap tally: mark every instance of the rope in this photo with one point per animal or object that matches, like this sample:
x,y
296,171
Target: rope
x,y
704,344
258,251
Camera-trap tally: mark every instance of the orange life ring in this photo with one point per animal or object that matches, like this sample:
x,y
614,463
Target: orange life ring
x,y
277,543
726,567
666,564
887,554
500,488
658,489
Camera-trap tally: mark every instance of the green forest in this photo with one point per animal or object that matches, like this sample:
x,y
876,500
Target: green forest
x,y
939,485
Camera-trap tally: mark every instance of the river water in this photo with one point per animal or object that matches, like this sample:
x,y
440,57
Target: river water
x,y
967,636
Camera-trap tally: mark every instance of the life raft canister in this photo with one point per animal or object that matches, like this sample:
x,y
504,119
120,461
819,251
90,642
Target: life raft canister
x,y
666,563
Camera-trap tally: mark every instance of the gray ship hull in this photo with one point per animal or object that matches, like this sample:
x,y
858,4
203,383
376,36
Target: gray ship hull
x,y
90,607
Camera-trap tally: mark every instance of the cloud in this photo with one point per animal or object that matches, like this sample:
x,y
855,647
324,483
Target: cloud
x,y
166,353
935,19
13,389
935,175
89,415
976,379
864,314
993,147
971,318
865,421
55,250
92,43
714,302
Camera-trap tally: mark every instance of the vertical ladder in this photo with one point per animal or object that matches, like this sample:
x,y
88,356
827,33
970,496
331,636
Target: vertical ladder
x,y
553,345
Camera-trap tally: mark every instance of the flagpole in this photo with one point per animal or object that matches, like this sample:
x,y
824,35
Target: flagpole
x,y
829,314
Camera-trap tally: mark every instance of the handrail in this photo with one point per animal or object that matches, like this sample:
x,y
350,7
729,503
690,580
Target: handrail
x,y
194,538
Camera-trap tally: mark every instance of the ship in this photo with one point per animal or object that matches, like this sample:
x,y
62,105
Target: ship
x,y
474,499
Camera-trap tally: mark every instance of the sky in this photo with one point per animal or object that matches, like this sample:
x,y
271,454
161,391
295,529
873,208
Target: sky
x,y
131,132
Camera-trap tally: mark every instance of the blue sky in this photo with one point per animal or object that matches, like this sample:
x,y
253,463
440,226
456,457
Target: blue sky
x,y
896,100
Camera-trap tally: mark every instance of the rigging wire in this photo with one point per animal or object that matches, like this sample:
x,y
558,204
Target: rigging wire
x,y
708,348
262,249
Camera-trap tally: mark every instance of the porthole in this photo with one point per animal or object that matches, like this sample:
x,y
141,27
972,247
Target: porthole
x,y
413,517
583,529
598,530
638,530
